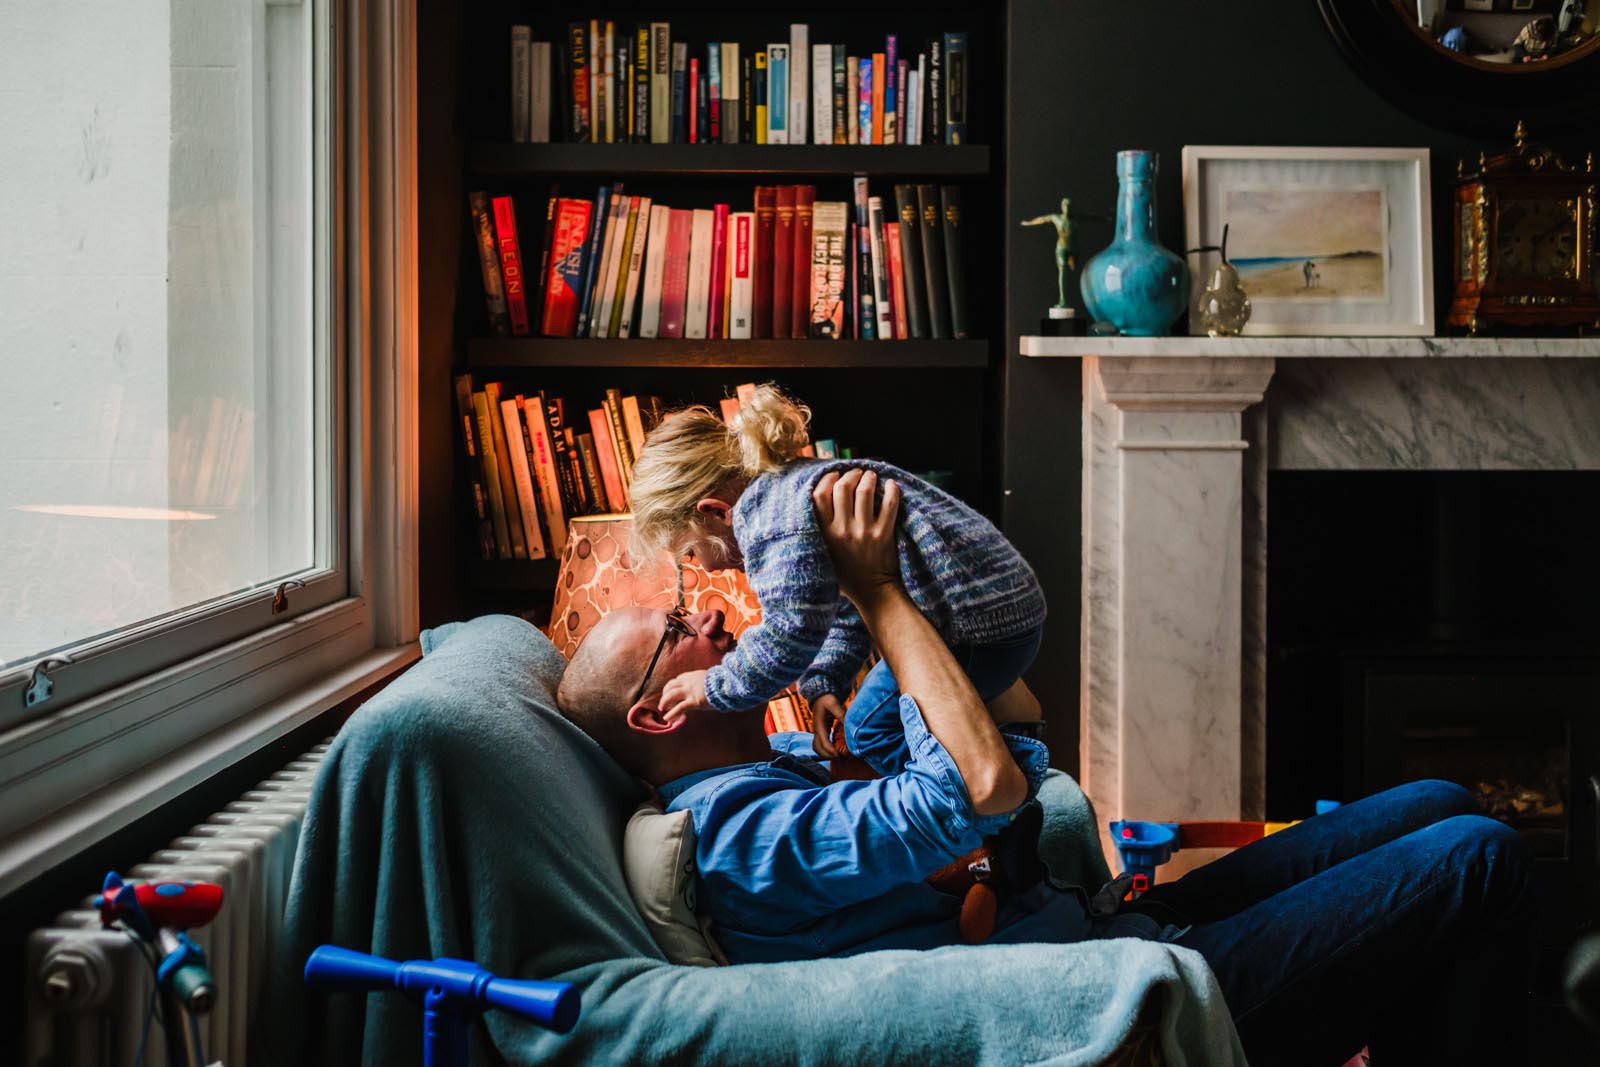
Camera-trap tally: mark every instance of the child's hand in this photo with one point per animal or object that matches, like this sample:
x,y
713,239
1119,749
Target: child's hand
x,y
825,711
685,693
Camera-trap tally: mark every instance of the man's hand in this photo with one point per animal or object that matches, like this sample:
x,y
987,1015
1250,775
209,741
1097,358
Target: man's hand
x,y
825,711
859,531
685,693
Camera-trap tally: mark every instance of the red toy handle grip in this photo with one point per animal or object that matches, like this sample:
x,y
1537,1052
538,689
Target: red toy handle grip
x,y
179,905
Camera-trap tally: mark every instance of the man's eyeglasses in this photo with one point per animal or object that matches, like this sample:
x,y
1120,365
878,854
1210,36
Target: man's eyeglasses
x,y
677,622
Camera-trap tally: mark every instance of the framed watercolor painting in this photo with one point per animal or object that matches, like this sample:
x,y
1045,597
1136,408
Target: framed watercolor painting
x,y
1327,241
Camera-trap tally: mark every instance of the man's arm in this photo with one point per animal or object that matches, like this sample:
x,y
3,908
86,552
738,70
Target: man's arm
x,y
860,537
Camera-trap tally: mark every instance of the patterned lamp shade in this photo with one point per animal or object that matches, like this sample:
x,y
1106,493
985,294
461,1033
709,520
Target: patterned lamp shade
x,y
597,576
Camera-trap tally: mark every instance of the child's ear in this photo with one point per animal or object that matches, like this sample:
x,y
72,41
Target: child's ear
x,y
646,718
712,508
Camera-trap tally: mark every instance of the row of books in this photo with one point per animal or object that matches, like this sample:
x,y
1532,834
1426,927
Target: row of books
x,y
792,267
615,84
533,465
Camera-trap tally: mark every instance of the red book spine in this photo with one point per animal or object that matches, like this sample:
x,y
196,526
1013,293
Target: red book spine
x,y
897,285
800,279
675,276
505,232
566,268
783,263
719,271
600,426
693,108
766,207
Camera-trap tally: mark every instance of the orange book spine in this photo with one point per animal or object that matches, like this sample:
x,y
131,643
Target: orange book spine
x,y
606,452
897,283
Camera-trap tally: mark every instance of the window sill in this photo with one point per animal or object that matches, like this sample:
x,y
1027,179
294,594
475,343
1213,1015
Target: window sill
x,y
163,768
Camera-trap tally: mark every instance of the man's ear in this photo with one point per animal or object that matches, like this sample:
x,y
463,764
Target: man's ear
x,y
646,718
712,508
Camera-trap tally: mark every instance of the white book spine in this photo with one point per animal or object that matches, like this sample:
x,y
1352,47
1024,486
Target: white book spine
x,y
641,235
913,130
880,269
521,81
799,89
741,309
544,469
539,71
822,94
777,93
606,297
922,90
699,303
660,83
655,263
526,502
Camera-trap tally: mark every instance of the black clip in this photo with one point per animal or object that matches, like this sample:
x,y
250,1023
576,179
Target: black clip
x,y
39,685
280,599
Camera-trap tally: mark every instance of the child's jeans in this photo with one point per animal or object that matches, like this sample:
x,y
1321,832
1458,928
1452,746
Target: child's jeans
x,y
877,737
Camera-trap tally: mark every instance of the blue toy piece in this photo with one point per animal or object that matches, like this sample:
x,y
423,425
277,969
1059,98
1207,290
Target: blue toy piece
x,y
450,991
1144,846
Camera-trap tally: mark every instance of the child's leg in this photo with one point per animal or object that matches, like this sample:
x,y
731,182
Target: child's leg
x,y
872,721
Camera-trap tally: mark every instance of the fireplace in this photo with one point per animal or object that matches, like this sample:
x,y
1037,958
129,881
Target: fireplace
x,y
1457,638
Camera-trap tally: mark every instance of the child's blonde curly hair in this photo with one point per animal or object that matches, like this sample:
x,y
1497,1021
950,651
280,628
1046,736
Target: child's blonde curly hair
x,y
693,453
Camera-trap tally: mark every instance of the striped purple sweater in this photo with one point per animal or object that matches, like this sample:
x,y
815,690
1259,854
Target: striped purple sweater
x,y
959,570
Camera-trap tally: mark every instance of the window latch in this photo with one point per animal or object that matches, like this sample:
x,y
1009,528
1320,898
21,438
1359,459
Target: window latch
x,y
39,685
280,599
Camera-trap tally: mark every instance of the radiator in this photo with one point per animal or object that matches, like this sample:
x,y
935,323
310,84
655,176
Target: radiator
x,y
87,990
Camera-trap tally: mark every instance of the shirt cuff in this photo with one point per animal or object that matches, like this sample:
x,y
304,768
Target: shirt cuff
x,y
814,684
1033,758
717,694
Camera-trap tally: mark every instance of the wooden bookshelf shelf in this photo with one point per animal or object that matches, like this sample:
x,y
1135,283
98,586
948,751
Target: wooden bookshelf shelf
x,y
517,575
585,352
510,160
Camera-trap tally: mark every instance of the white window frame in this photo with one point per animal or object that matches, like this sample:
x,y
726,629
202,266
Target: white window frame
x,y
106,753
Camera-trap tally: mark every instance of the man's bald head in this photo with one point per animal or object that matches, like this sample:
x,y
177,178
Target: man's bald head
x,y
598,685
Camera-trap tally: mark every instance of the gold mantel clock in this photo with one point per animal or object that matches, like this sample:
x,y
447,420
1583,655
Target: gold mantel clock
x,y
1525,232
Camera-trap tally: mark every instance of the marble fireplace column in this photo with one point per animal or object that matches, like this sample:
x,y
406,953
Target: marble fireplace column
x,y
1162,647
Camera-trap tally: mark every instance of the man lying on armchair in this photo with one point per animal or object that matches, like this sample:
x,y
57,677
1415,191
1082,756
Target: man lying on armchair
x,y
1402,921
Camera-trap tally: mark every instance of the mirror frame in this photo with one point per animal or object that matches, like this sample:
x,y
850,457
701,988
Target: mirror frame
x,y
1428,83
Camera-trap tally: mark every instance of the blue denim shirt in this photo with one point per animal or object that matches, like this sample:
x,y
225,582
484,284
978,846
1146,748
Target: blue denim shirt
x,y
795,866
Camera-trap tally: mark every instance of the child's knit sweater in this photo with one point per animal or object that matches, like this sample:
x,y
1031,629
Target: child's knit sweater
x,y
960,571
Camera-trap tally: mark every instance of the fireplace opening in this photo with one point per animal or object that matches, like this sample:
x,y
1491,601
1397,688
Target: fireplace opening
x,y
1443,625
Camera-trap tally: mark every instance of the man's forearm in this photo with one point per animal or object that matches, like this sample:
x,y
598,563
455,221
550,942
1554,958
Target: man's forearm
x,y
951,707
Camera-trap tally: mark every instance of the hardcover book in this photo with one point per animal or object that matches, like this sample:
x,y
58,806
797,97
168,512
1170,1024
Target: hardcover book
x,y
933,262
880,270
747,100
741,243
607,101
777,93
482,523
866,307
717,296
713,69
494,294
605,454
695,105
675,275
841,97
655,259
571,231
640,83
934,128
541,277
805,196
731,98
955,259
567,472
505,230
852,109
591,254
508,483
916,279
829,260
878,88
633,422
542,450
799,82
522,478
699,303
783,263
593,479
902,100
914,102
612,406
577,50
864,100
521,82
897,288
766,211
605,279
891,59
636,253
491,475
955,88
761,97
660,83
597,76
822,94
680,93
539,73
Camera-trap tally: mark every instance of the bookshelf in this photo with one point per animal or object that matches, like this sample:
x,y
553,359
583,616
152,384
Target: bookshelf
x,y
924,404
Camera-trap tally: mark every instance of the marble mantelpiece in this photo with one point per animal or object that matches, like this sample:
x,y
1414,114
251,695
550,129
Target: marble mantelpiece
x,y
1178,437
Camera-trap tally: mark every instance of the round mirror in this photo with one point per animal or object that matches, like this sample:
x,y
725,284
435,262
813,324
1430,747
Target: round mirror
x,y
1478,66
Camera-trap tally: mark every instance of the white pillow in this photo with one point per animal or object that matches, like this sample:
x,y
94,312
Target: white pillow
x,y
658,862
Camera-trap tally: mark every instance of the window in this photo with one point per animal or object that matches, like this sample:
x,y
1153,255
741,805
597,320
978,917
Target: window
x,y
208,389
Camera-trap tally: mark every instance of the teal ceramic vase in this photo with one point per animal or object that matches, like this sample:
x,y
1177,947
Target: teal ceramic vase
x,y
1135,285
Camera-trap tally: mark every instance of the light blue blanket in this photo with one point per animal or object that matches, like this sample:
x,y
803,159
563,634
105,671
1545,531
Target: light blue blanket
x,y
459,815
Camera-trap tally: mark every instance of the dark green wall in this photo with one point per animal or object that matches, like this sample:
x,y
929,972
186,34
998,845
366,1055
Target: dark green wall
x,y
1085,80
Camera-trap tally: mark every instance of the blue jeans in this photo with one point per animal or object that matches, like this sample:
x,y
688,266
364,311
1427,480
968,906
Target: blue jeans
x,y
1405,921
875,734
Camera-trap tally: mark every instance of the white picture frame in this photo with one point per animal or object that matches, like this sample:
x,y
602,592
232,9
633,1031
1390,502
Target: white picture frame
x,y
1329,242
